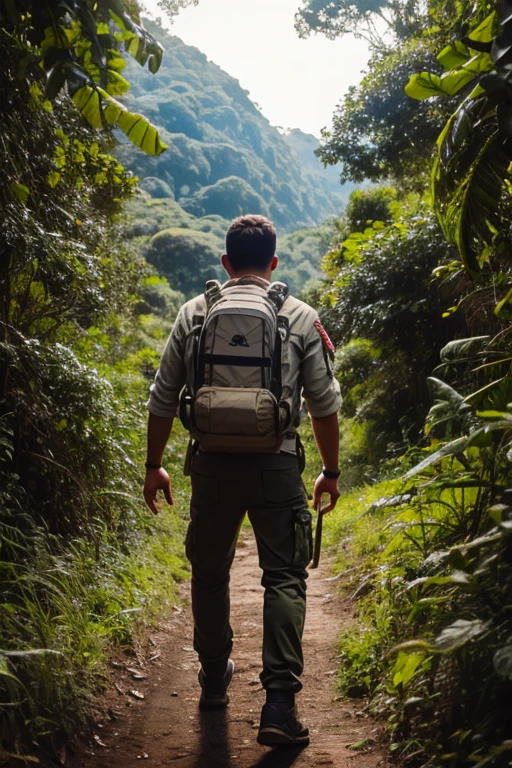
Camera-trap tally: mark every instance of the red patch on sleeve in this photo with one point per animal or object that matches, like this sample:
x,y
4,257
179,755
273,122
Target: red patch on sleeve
x,y
325,336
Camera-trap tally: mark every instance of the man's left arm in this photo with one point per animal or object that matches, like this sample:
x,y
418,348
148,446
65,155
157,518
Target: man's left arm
x,y
323,400
327,437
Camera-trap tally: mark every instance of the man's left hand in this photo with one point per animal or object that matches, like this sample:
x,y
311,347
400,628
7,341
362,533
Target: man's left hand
x,y
330,487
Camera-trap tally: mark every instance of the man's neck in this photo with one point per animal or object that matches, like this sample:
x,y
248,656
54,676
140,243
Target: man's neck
x,y
261,275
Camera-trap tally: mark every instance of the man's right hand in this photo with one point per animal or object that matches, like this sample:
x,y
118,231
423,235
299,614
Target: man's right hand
x,y
157,480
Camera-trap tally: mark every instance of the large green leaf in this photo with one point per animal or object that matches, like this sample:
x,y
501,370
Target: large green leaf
x,y
139,43
424,85
454,56
461,350
88,101
452,82
458,634
484,32
480,437
141,133
468,178
100,109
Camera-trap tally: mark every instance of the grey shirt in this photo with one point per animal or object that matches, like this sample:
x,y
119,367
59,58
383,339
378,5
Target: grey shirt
x,y
306,369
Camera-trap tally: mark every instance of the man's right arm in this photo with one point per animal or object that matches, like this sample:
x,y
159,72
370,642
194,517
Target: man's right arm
x,y
163,405
157,479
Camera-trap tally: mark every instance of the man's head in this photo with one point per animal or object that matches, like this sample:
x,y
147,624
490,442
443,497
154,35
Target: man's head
x,y
250,247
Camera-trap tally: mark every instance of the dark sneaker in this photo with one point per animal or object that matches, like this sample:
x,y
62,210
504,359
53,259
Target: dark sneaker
x,y
214,688
280,727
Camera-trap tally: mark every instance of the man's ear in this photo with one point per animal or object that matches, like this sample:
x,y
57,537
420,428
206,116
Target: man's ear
x,y
274,263
227,266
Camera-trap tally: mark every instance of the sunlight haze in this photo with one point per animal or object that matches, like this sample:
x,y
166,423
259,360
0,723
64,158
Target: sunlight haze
x,y
297,83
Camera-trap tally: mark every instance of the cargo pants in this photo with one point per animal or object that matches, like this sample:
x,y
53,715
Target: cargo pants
x,y
269,488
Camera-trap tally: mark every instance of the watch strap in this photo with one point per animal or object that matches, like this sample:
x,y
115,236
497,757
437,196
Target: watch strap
x,y
331,474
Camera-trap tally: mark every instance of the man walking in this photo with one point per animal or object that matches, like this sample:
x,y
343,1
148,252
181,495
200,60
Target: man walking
x,y
235,367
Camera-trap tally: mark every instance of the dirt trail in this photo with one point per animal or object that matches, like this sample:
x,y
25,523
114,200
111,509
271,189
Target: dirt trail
x,y
167,728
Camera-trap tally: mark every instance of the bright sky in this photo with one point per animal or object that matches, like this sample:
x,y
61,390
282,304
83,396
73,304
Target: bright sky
x,y
297,83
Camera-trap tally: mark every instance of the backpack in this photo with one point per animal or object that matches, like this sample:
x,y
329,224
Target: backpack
x,y
238,348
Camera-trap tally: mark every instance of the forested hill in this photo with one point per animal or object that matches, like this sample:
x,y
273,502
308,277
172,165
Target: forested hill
x,y
224,157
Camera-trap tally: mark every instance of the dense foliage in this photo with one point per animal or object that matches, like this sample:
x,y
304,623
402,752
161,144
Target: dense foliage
x,y
474,150
81,319
418,299
378,132
78,48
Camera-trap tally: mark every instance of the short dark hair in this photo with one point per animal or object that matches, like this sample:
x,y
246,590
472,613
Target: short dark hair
x,y
251,243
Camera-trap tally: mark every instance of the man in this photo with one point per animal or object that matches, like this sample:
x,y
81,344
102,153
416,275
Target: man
x,y
266,485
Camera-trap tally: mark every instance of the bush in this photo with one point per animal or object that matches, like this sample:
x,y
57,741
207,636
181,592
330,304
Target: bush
x,y
186,258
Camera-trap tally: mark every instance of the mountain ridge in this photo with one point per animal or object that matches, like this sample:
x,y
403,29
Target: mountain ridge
x,y
224,157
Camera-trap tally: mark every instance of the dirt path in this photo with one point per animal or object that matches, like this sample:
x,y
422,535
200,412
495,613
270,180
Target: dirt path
x,y
166,727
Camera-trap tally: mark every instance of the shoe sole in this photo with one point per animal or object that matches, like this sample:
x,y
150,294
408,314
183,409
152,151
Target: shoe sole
x,y
205,703
274,737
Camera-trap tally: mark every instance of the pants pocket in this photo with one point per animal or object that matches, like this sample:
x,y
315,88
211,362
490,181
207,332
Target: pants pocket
x,y
303,550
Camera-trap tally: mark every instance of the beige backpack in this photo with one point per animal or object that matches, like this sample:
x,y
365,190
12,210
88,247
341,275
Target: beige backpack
x,y
239,345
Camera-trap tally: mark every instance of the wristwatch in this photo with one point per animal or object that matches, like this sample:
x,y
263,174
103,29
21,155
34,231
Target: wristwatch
x,y
331,474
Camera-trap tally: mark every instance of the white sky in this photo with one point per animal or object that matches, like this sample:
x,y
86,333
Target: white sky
x,y
297,83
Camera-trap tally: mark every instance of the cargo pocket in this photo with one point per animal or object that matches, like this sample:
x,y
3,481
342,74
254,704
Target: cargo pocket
x,y
303,551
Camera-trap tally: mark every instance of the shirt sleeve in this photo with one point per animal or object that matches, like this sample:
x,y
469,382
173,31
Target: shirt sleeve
x,y
321,389
170,378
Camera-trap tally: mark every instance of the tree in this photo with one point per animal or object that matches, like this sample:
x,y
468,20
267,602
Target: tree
x,y
366,19
173,7
79,47
383,25
377,131
185,257
471,172
380,292
367,206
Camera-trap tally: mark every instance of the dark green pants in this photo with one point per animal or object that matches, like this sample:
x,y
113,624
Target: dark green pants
x,y
269,488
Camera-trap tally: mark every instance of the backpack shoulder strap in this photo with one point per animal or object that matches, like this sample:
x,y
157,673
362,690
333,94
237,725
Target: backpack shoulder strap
x,y
277,292
212,293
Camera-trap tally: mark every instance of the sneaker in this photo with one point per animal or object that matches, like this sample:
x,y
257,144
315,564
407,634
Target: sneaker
x,y
280,727
214,688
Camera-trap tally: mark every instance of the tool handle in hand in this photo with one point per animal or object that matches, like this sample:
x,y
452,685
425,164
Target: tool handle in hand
x,y
318,537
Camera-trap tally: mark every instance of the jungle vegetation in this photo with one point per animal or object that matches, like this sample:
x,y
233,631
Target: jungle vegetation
x,y
416,295
418,300
82,318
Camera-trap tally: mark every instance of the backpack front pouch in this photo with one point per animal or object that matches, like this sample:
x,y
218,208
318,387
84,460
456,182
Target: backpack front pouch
x,y
236,419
